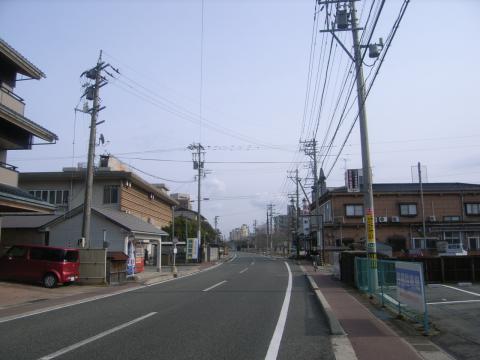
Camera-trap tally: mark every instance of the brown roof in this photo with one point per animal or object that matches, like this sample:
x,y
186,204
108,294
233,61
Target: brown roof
x,y
116,256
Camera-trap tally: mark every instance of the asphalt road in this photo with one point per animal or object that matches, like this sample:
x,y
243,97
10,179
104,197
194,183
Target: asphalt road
x,y
455,310
238,310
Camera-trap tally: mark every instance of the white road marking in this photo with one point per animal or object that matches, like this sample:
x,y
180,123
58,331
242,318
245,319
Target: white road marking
x,y
241,272
83,301
93,338
282,319
214,286
452,302
252,263
232,258
465,291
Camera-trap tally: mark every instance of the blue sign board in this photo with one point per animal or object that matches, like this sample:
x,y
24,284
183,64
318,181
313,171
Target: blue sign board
x,y
410,284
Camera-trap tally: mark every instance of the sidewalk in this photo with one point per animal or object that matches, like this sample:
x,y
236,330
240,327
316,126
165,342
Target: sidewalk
x,y
19,298
370,337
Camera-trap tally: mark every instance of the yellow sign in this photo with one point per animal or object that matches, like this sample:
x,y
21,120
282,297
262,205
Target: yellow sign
x,y
370,229
373,260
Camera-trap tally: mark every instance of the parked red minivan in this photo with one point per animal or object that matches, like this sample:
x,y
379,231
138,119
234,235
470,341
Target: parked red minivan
x,y
45,264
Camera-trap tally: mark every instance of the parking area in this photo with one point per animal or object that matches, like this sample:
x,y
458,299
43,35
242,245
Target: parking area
x,y
455,311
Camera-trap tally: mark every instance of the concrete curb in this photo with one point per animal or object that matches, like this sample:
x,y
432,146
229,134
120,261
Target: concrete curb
x,y
333,323
341,345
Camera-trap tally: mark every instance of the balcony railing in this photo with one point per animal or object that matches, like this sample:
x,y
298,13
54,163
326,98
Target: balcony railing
x,y
8,174
11,100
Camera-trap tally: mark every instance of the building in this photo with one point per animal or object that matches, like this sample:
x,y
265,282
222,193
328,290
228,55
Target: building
x,y
451,213
128,212
17,133
183,200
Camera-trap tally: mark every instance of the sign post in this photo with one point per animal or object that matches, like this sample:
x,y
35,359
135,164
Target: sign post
x,y
174,268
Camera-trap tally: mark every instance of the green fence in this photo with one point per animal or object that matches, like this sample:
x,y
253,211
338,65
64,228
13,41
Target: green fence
x,y
386,288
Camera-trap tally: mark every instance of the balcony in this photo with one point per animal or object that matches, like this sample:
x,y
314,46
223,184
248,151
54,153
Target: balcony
x,y
11,100
8,174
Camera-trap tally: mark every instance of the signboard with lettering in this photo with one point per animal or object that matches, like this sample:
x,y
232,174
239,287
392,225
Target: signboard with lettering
x,y
352,180
192,249
410,284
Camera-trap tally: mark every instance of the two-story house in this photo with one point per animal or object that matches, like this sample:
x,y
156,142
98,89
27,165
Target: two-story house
x,y
451,213
17,132
127,212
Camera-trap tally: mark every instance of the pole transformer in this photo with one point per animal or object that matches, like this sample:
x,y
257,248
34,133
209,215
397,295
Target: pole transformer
x,y
91,93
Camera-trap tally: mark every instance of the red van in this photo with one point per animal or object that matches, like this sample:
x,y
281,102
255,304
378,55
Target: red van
x,y
45,264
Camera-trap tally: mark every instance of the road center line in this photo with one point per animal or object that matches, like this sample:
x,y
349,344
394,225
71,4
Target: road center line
x,y
96,337
282,319
214,286
452,302
241,272
465,291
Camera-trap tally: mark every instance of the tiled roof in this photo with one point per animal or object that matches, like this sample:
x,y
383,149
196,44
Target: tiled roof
x,y
26,221
14,193
25,66
129,222
27,124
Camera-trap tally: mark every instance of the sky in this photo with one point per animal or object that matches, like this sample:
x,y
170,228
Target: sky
x,y
249,92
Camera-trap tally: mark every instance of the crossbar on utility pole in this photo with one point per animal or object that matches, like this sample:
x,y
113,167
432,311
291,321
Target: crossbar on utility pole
x,y
87,203
367,173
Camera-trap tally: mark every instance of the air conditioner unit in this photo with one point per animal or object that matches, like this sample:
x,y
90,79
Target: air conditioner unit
x,y
382,219
395,219
432,218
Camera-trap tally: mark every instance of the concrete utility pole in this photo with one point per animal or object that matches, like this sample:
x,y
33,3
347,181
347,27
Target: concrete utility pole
x,y
216,228
367,170
91,93
423,204
268,229
255,234
198,164
345,20
310,149
297,203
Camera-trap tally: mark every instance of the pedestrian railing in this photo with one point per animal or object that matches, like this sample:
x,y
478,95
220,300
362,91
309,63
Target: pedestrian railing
x,y
399,286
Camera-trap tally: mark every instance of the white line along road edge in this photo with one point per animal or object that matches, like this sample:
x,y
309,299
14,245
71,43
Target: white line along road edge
x,y
282,319
93,338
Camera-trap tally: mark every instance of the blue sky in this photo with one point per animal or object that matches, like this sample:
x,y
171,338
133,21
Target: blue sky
x,y
255,64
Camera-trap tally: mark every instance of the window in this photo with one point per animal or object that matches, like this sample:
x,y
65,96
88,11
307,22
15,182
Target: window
x,y
452,237
427,243
451,218
110,194
408,209
472,209
55,197
353,210
17,252
474,243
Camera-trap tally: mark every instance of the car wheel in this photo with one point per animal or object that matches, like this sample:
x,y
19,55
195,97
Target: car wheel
x,y
50,281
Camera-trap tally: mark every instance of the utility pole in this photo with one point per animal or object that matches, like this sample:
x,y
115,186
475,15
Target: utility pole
x,y
423,204
255,234
216,228
297,204
198,155
268,229
310,149
92,93
345,20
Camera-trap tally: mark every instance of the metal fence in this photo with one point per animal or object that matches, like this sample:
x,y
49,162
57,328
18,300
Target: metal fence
x,y
386,290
